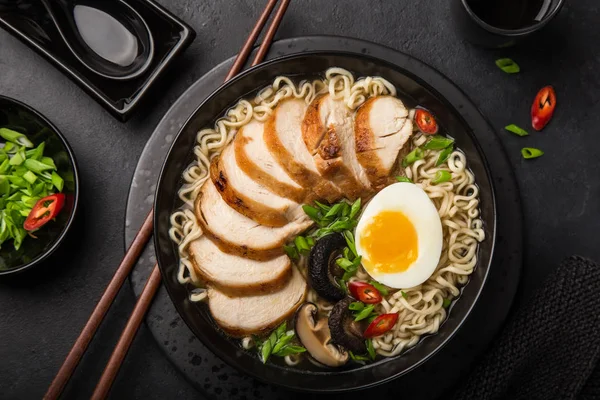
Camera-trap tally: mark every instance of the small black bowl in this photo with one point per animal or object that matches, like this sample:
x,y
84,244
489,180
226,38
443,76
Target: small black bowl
x,y
22,118
479,32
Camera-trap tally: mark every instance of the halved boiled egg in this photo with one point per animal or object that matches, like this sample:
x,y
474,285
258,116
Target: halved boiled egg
x,y
399,236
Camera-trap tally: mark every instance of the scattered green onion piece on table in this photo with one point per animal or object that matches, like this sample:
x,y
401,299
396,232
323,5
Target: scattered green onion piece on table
x,y
438,142
444,155
415,155
404,179
441,177
507,65
516,130
531,152
15,137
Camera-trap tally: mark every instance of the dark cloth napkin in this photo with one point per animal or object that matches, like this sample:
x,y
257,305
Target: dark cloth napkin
x,y
550,347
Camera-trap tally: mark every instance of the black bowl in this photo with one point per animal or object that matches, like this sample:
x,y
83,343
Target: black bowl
x,y
410,77
22,118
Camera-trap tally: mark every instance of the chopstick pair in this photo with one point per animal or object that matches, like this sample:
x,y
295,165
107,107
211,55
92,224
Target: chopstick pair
x,y
133,252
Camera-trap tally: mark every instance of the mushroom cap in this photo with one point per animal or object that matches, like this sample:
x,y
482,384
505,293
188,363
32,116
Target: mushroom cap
x,y
319,274
314,335
344,331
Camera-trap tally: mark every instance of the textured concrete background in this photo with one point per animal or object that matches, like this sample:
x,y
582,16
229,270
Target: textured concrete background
x,y
41,314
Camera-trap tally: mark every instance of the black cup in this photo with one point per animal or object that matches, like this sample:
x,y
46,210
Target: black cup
x,y
479,32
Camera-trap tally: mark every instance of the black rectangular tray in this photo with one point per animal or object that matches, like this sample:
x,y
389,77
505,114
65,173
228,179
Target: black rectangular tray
x,y
28,21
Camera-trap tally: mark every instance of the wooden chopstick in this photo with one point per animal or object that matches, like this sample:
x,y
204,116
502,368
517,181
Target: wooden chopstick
x,y
137,316
133,324
266,43
90,328
242,56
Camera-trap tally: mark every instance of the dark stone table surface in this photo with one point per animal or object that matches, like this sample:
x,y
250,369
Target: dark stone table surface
x,y
42,313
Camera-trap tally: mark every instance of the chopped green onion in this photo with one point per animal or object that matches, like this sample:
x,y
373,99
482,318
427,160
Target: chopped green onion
x,y
370,349
531,152
364,313
333,211
37,166
403,293
355,208
507,65
358,358
57,181
344,263
345,210
350,242
31,178
17,159
438,142
322,206
291,251
444,155
310,241
415,155
404,179
441,176
516,130
36,153
301,244
382,289
446,303
356,306
15,137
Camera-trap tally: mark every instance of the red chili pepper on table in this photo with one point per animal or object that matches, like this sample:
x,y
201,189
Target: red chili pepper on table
x,y
543,107
381,325
426,122
364,292
45,210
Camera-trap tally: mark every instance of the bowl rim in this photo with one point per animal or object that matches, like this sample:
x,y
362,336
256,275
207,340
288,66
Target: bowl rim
x,y
59,239
493,199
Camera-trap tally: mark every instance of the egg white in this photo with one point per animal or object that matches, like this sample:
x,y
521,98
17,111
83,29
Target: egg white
x,y
414,203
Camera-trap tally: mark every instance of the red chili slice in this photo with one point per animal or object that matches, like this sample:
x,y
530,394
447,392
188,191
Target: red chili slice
x,y
426,122
543,107
45,209
364,292
381,325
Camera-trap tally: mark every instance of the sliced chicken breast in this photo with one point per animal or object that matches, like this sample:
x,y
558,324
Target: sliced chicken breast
x,y
247,196
236,275
237,234
283,136
254,158
328,132
382,129
240,316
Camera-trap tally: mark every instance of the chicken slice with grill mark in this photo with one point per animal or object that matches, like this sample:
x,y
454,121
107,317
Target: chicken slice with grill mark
x,y
382,130
283,136
247,196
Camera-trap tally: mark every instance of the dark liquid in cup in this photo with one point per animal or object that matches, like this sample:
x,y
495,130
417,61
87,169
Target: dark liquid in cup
x,y
510,14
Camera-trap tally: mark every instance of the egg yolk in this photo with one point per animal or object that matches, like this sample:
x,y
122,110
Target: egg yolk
x,y
390,243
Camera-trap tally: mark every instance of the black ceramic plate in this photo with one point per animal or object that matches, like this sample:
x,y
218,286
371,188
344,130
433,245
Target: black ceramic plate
x,y
29,22
412,84
17,116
